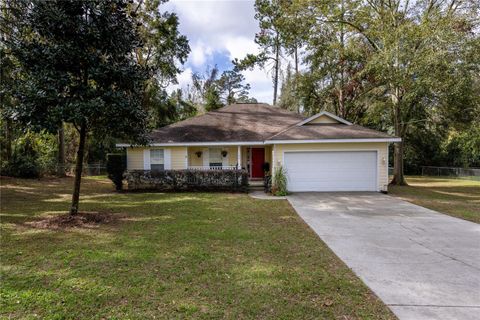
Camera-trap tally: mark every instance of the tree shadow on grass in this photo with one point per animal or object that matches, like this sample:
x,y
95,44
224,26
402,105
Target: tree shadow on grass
x,y
456,197
23,200
185,270
440,192
173,256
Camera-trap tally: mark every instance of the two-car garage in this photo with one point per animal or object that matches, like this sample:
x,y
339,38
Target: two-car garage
x,y
331,170
327,153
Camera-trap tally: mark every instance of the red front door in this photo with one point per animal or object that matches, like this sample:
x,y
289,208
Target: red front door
x,y
258,158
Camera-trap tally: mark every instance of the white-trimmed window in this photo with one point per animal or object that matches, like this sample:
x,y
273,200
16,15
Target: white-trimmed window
x,y
215,157
157,160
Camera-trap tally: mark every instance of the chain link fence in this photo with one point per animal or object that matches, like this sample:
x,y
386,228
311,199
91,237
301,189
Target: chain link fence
x,y
90,169
447,172
452,172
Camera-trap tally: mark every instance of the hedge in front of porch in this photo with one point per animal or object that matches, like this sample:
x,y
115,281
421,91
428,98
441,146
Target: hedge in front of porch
x,y
188,180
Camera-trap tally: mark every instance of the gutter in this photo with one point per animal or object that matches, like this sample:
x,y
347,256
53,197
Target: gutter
x,y
393,139
255,143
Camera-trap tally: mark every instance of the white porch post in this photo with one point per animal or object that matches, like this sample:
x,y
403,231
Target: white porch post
x,y
206,158
239,157
272,167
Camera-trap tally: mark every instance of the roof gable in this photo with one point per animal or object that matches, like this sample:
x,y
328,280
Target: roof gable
x,y
328,131
324,117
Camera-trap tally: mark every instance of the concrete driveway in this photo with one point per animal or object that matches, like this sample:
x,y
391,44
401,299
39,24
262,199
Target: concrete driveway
x,y
422,264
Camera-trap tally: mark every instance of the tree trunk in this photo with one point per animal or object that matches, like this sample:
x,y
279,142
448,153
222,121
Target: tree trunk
x,y
61,152
398,175
296,79
341,101
78,169
341,97
8,138
296,60
275,79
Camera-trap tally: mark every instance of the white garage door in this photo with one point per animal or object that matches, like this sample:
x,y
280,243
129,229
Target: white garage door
x,y
331,171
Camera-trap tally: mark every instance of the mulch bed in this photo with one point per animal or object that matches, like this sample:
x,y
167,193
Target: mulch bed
x,y
82,219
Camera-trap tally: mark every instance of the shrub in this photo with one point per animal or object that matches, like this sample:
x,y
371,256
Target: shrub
x,y
462,149
116,166
33,154
266,167
21,166
24,161
267,183
46,145
188,180
279,185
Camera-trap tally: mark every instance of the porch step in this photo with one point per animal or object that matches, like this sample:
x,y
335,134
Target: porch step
x,y
255,186
255,183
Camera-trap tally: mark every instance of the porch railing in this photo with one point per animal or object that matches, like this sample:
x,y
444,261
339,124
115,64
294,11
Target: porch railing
x,y
212,167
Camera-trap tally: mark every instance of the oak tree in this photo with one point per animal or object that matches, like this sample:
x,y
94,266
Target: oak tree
x,y
78,66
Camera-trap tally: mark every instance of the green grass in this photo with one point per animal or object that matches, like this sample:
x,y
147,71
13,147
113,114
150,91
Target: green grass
x,y
186,255
456,197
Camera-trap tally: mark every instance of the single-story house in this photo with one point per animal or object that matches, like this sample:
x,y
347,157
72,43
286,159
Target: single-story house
x,y
320,153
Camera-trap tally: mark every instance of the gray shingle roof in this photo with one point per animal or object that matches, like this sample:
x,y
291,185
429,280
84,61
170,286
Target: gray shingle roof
x,y
255,122
237,122
329,131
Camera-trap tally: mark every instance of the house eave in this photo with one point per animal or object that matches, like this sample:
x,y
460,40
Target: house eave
x,y
255,143
333,141
192,144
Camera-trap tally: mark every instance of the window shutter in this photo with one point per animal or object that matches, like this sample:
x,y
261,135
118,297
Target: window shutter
x,y
146,159
167,159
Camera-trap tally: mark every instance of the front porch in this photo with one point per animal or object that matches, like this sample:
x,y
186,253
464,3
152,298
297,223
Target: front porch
x,y
255,159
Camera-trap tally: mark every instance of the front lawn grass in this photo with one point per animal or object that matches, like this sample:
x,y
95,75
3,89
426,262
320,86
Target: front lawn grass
x,y
456,197
184,255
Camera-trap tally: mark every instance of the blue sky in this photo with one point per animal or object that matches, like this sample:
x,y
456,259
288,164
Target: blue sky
x,y
219,31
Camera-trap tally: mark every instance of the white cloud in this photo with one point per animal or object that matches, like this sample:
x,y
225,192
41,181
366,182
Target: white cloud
x,y
213,18
199,53
261,84
226,27
239,46
184,78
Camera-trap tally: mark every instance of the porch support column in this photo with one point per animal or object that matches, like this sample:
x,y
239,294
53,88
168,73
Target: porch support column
x,y
239,157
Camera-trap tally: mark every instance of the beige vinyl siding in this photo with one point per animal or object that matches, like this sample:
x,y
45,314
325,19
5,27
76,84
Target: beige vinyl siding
x,y
178,157
322,119
232,155
193,159
268,155
135,158
380,147
244,157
